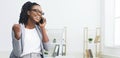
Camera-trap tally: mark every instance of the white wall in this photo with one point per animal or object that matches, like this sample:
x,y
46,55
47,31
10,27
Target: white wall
x,y
75,14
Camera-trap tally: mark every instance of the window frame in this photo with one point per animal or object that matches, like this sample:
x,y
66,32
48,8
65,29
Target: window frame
x,y
109,24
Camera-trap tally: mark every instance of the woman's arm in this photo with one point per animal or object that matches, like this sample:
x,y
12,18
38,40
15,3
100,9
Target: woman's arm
x,y
45,39
16,40
44,35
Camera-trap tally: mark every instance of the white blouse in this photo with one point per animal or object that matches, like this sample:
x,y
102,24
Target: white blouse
x,y
31,42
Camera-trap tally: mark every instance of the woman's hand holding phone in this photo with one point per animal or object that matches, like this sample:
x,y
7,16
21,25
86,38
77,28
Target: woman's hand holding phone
x,y
42,22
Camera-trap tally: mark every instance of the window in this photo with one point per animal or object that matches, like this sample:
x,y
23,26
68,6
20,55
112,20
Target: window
x,y
117,23
111,23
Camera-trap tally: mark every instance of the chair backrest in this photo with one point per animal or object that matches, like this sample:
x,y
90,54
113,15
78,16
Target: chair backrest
x,y
57,37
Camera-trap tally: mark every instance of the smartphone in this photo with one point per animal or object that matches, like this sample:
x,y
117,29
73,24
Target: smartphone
x,y
41,21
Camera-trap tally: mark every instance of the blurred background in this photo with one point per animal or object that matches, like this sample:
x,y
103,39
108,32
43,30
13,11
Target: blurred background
x,y
73,14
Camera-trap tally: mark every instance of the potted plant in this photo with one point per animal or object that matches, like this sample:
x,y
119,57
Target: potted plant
x,y
90,40
54,40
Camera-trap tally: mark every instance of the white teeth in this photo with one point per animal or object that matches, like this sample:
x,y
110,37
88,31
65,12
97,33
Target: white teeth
x,y
37,17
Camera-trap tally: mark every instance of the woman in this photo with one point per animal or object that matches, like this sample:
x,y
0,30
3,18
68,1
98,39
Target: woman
x,y
29,37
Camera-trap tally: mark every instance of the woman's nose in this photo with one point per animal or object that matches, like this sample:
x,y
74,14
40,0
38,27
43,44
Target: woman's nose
x,y
39,14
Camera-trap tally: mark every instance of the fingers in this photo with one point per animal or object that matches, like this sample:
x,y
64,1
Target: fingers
x,y
44,20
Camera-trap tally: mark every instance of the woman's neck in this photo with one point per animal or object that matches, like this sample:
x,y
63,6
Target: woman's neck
x,y
30,24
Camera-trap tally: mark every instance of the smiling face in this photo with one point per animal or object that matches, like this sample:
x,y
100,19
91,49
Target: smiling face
x,y
35,13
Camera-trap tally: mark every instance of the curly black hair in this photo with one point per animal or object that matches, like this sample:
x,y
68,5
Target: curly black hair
x,y
23,15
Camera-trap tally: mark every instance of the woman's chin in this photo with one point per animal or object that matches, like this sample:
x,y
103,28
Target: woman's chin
x,y
37,21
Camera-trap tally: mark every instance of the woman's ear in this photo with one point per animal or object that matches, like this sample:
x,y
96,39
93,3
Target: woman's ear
x,y
28,12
